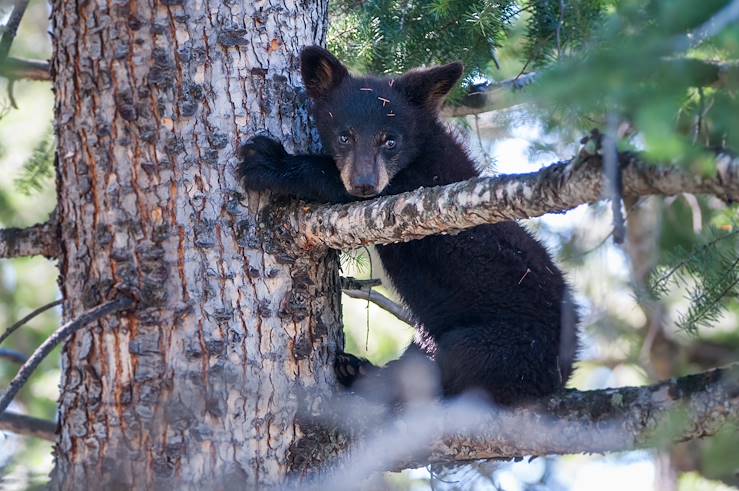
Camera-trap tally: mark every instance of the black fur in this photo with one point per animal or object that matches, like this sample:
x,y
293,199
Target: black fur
x,y
494,312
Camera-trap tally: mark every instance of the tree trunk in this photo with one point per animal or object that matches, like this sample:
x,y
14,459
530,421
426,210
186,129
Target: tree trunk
x,y
198,386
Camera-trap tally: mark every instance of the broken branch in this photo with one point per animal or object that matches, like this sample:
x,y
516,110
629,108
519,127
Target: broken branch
x,y
18,69
38,240
400,312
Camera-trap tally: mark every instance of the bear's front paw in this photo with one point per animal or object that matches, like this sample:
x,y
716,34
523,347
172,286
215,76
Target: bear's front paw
x,y
349,368
261,153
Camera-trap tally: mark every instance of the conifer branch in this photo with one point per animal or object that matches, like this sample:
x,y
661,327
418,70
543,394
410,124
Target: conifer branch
x,y
27,425
455,207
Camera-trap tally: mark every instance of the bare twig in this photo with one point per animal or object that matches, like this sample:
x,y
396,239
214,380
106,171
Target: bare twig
x,y
28,425
400,312
17,69
13,355
60,335
38,240
11,28
455,207
10,330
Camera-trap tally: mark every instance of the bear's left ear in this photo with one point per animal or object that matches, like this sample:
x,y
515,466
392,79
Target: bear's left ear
x,y
428,87
321,71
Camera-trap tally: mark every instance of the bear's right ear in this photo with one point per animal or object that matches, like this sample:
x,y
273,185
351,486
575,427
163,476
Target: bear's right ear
x,y
321,71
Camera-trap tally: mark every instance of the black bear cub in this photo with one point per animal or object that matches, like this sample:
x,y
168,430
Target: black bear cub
x,y
493,312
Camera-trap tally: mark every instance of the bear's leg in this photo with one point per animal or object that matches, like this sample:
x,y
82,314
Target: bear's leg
x,y
412,377
509,364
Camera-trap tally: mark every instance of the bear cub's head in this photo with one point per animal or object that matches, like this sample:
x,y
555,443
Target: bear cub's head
x,y
373,127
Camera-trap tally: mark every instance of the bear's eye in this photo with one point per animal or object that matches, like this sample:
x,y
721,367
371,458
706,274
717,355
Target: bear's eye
x,y
343,138
389,143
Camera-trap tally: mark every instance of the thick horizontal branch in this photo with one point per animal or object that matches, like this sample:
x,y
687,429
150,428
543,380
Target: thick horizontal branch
x,y
498,95
455,207
27,425
39,240
18,69
607,420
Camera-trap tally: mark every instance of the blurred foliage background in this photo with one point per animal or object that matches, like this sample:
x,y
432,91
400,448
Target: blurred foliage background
x,y
660,76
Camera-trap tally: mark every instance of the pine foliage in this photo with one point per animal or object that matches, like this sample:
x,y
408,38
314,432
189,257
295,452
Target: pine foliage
x,y
708,273
39,167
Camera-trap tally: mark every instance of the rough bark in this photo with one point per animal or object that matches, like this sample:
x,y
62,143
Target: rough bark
x,y
38,240
451,208
197,388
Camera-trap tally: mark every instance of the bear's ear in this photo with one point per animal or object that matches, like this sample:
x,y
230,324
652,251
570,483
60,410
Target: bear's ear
x,y
321,71
428,87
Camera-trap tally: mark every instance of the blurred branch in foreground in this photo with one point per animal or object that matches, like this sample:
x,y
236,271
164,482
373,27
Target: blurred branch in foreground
x,y
604,420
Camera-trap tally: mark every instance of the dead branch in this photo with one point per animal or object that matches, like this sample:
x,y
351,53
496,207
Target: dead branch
x,y
19,69
38,240
492,97
52,341
400,312
12,355
11,28
455,207
351,283
28,425
28,318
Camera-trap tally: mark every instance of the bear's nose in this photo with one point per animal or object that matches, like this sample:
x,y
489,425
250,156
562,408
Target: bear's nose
x,y
364,186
